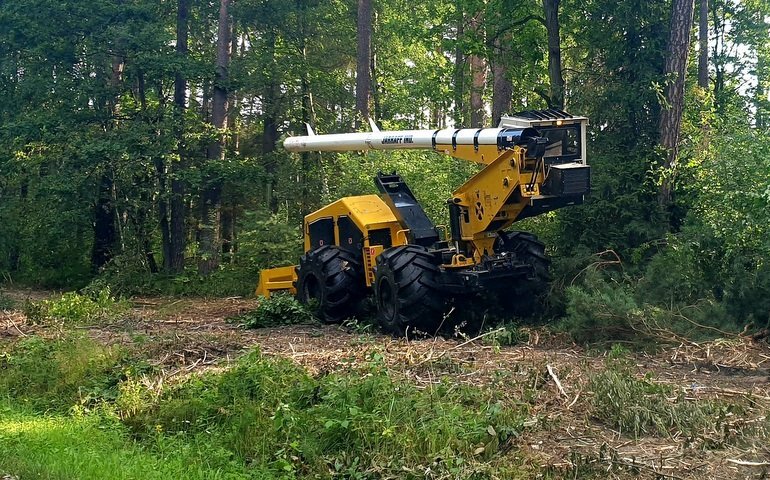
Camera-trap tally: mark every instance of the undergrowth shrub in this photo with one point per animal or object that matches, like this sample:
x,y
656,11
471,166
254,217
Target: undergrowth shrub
x,y
264,241
279,309
124,277
506,334
600,310
59,374
6,302
73,307
640,406
270,412
607,308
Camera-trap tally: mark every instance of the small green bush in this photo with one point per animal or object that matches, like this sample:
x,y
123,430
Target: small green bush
x,y
640,406
6,302
600,310
73,307
506,334
60,373
279,309
606,309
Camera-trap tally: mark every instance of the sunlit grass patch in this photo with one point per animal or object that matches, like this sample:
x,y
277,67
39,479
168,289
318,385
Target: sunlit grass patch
x,y
97,447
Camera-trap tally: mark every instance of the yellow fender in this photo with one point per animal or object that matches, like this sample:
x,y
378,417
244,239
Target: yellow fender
x,y
279,279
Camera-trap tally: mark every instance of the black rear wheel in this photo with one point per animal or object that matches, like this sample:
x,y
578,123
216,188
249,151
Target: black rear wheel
x,y
407,290
527,295
331,280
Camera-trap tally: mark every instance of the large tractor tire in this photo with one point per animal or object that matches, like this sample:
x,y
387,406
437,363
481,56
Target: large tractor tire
x,y
527,295
407,291
331,280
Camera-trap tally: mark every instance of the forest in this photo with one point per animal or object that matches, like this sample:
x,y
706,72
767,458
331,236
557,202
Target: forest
x,y
143,184
141,140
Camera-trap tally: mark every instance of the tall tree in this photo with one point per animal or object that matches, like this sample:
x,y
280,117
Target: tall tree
x,y
105,230
552,26
270,116
502,87
478,65
459,66
703,45
363,60
211,198
178,234
676,67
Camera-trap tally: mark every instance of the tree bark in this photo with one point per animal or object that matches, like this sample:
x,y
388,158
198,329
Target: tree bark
x,y
502,88
270,120
676,67
718,54
478,66
105,231
459,69
375,86
551,10
210,237
105,228
363,61
703,47
174,263
308,112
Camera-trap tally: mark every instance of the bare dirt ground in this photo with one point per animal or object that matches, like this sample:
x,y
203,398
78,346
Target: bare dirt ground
x,y
183,336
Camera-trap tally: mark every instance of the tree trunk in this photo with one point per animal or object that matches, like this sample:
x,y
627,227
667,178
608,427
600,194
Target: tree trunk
x,y
459,69
211,201
105,228
178,234
373,73
308,113
502,88
719,53
363,61
228,218
105,232
551,10
478,76
270,121
676,67
703,47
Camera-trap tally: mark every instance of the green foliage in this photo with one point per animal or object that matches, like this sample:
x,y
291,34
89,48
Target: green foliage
x,y
61,373
640,406
605,308
6,302
77,308
127,278
507,334
271,413
279,309
600,310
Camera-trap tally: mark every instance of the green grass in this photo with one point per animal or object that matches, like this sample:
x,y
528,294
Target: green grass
x,y
61,373
98,447
72,408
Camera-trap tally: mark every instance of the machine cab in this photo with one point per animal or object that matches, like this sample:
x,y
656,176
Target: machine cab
x,y
566,133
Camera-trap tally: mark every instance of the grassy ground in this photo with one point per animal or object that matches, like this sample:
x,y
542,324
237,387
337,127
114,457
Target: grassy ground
x,y
165,388
50,446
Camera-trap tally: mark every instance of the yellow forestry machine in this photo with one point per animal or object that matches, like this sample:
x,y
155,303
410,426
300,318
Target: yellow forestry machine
x,y
533,162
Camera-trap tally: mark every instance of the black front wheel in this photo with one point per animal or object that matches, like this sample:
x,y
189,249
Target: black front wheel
x,y
331,280
527,295
407,290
